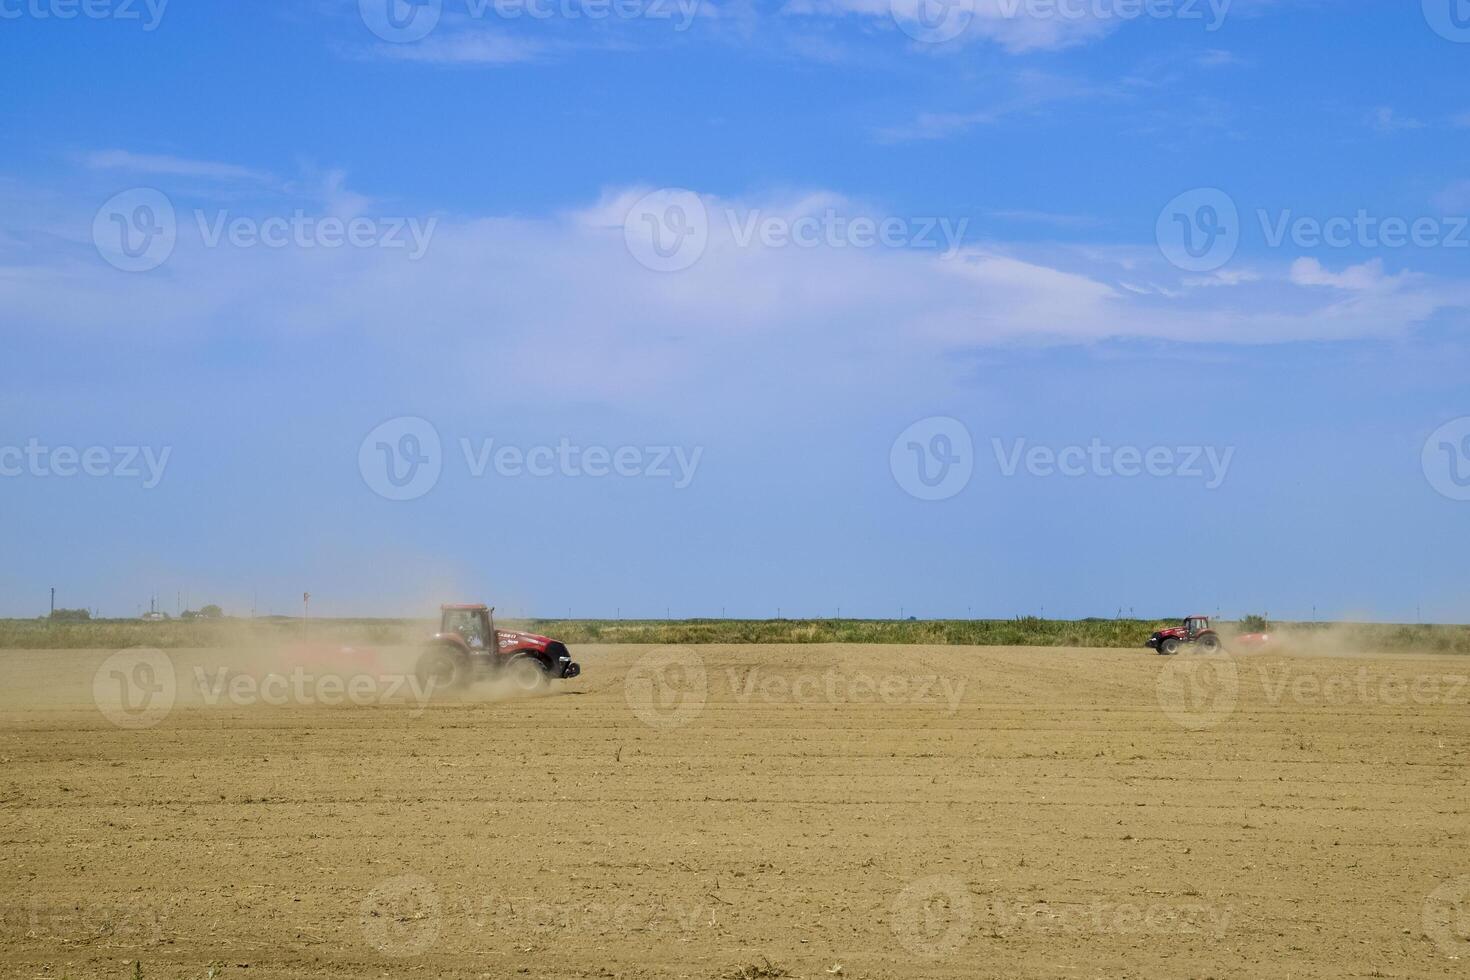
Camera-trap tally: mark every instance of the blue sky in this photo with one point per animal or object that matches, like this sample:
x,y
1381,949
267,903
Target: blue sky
x,y
178,184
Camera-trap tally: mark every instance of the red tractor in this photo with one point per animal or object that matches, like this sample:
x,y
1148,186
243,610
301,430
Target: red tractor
x,y
468,648
1195,631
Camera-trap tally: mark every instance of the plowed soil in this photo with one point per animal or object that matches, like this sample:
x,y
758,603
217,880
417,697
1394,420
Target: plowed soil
x,y
813,811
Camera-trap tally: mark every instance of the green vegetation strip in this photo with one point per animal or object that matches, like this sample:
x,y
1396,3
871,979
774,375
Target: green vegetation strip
x,y
118,634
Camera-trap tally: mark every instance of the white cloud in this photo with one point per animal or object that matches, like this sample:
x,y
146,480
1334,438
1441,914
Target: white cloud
x,y
1310,272
564,290
1003,22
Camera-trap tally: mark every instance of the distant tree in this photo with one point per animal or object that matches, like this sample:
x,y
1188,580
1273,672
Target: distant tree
x,y
211,611
71,615
1253,623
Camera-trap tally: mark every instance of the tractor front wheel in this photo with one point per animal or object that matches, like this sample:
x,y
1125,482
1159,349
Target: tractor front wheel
x,y
526,674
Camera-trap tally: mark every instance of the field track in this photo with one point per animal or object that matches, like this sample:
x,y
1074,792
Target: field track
x,y
853,811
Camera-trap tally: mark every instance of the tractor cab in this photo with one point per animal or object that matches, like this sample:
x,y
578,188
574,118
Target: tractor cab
x,y
474,624
1195,625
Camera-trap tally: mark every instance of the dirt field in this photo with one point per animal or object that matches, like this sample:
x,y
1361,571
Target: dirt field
x,y
828,811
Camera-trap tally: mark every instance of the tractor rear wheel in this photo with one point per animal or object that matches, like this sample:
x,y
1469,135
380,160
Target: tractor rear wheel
x,y
1209,643
439,669
1169,647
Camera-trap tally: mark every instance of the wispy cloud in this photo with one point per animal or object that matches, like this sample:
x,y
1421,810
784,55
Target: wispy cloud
x,y
170,166
467,49
1035,91
1387,120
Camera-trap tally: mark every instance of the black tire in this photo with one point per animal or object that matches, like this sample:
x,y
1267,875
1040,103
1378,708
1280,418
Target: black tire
x,y
1209,643
526,674
439,669
1169,647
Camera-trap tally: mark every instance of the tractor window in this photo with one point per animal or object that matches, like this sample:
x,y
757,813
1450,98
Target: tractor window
x,y
465,622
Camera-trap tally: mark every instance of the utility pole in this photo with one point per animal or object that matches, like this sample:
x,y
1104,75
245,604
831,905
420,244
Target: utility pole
x,y
53,602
